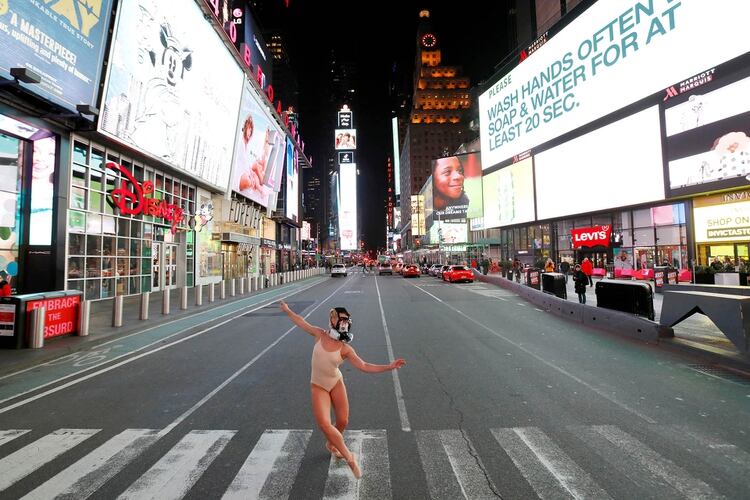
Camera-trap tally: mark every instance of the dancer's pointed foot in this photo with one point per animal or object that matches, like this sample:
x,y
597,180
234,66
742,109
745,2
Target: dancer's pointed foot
x,y
336,453
354,466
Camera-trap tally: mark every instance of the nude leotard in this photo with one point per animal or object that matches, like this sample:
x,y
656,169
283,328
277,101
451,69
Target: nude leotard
x,y
325,367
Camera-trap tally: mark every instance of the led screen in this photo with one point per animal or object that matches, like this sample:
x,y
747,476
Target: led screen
x,y
448,233
615,53
614,166
259,153
62,42
345,138
708,130
348,207
292,182
509,195
728,222
42,192
173,88
457,187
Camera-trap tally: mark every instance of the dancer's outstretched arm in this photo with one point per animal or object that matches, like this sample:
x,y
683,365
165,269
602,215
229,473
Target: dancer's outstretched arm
x,y
300,321
362,365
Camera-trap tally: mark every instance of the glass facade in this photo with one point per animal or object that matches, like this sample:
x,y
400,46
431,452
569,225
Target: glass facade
x,y
109,253
11,169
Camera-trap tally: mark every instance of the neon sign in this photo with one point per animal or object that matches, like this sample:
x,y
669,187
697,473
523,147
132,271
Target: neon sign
x,y
136,201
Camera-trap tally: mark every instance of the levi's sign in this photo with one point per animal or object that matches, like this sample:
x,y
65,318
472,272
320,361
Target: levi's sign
x,y
133,199
591,236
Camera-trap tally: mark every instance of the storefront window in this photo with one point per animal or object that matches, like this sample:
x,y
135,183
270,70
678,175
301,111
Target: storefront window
x,y
642,218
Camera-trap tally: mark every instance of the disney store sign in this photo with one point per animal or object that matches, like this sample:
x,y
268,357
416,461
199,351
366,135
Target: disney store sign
x,y
132,198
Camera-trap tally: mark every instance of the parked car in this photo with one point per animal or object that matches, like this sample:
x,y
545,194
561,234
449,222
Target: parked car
x,y
410,271
441,270
434,269
338,270
458,273
385,268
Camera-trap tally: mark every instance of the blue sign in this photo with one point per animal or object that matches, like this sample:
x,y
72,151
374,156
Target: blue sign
x,y
62,41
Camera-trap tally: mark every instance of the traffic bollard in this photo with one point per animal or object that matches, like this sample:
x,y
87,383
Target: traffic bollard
x,y
199,295
145,302
211,292
117,311
231,288
165,302
222,289
242,286
83,318
183,297
37,327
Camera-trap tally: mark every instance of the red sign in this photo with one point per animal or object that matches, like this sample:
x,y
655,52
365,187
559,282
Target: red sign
x,y
61,315
135,201
591,236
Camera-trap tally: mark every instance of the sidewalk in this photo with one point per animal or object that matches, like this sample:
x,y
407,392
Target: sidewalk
x,y
101,329
696,333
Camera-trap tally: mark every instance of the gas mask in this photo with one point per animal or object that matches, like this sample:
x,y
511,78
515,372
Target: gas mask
x,y
341,325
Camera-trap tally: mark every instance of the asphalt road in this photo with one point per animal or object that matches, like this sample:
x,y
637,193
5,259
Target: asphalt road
x,y
497,400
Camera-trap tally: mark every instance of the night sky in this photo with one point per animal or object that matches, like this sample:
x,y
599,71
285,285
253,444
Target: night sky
x,y
471,34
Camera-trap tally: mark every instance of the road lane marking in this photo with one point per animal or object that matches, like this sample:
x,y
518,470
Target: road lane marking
x,y
371,449
274,461
87,475
405,425
10,435
548,469
23,462
139,356
451,450
597,390
175,473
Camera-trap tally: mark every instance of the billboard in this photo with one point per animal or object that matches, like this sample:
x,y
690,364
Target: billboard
x,y
417,215
62,43
453,178
615,166
509,195
448,233
173,90
717,219
708,134
292,182
345,138
348,207
258,154
615,53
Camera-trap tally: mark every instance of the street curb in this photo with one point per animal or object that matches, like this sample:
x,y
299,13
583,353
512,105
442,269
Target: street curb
x,y
71,344
622,324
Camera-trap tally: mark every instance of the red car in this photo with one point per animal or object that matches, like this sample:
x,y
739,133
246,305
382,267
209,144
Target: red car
x,y
411,271
458,273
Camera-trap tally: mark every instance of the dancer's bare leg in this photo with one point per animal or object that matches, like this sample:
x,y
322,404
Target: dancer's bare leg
x,y
340,403
321,404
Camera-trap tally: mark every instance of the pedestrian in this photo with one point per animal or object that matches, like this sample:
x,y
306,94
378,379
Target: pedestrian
x,y
549,266
565,269
5,290
326,382
588,268
580,279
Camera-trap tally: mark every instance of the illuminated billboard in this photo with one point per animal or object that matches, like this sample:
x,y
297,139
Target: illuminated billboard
x,y
292,182
348,207
258,154
345,138
615,166
62,43
615,53
509,195
453,178
172,91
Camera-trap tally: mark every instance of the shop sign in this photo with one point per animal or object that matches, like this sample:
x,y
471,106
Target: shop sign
x,y
7,320
61,314
268,243
591,236
131,198
244,214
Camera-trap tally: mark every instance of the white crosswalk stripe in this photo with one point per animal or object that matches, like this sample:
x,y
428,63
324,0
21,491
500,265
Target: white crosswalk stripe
x,y
178,470
23,462
371,450
548,469
87,475
451,451
10,435
272,466
452,467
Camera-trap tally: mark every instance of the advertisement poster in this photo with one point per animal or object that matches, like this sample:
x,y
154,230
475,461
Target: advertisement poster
x,y
345,138
208,249
292,182
173,88
348,207
258,154
708,135
7,320
61,314
586,71
509,195
62,42
449,176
